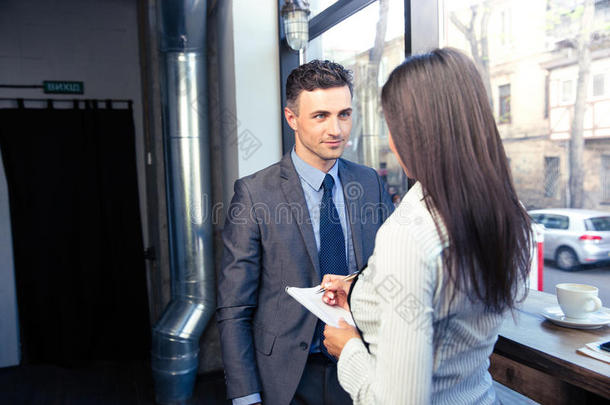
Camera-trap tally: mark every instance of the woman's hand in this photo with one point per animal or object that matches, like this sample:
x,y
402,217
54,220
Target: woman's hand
x,y
336,338
336,290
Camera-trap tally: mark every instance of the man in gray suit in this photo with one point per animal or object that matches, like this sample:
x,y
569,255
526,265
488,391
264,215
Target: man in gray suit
x,y
277,234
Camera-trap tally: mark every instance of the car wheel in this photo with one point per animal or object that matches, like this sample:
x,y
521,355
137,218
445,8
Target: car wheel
x,y
566,259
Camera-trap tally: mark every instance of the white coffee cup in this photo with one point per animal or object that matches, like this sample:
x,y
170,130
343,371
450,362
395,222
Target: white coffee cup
x,y
577,300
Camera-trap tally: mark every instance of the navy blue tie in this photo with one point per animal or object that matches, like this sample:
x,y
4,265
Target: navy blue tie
x,y
332,245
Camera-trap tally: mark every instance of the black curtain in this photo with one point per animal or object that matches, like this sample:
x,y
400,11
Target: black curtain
x,y
77,240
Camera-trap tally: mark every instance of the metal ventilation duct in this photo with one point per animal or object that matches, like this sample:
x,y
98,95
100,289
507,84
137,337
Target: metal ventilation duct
x,y
175,349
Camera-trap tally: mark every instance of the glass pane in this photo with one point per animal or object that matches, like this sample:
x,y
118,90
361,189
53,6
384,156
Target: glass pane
x,y
528,55
504,103
352,44
551,176
598,224
317,6
598,85
566,91
605,178
540,49
556,222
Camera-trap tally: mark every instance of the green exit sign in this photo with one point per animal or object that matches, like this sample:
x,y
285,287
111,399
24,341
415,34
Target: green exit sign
x,y
61,87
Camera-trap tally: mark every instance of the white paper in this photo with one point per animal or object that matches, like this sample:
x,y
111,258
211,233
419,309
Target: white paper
x,y
312,300
592,350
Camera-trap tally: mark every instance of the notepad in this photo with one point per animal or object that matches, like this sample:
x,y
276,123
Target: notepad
x,y
311,299
592,350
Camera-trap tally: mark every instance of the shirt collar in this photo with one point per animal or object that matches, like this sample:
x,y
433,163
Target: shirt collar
x,y
312,176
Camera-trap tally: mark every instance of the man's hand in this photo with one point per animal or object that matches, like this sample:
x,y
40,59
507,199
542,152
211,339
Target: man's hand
x,y
336,338
336,290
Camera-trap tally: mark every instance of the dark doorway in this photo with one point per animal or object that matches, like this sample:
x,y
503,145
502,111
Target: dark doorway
x,y
79,265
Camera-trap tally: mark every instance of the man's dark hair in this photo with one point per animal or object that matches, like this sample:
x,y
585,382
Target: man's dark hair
x,y
313,75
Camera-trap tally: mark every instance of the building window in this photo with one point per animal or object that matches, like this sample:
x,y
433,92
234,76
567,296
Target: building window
x,y
599,85
602,10
606,178
506,28
566,91
551,176
504,103
546,96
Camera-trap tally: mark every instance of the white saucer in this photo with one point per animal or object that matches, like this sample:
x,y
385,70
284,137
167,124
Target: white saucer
x,y
593,321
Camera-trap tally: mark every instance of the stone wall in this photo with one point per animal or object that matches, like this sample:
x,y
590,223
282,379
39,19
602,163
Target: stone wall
x,y
527,157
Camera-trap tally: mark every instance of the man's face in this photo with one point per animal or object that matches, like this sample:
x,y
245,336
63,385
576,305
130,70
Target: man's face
x,y
322,125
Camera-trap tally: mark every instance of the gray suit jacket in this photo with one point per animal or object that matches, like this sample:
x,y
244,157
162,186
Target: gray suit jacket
x,y
269,244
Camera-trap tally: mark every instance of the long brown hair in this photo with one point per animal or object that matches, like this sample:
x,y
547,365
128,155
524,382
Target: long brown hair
x,y
444,131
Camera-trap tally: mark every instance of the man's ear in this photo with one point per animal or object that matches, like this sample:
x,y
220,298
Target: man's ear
x,y
291,118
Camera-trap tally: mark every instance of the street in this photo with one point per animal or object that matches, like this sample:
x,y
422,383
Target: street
x,y
598,276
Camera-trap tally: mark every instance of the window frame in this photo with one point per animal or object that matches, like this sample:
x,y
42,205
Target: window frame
x,y
504,100
556,165
319,24
594,76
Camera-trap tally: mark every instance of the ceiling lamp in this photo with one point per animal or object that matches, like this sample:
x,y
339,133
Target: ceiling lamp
x,y
295,14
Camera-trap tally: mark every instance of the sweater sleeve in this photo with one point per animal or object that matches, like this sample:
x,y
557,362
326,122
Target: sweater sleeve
x,y
398,295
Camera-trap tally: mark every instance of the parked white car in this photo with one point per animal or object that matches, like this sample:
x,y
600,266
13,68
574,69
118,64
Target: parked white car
x,y
573,236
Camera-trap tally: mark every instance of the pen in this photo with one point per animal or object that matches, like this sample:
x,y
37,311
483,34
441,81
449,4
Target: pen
x,y
346,278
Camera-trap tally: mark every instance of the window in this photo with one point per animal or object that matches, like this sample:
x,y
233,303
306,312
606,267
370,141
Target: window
x,y
540,59
605,178
541,64
504,103
599,85
317,6
350,43
602,10
556,221
506,21
551,176
566,91
546,96
598,224
552,221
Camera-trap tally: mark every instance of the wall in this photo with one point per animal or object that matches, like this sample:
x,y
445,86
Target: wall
x,y
597,115
92,41
527,163
257,87
248,89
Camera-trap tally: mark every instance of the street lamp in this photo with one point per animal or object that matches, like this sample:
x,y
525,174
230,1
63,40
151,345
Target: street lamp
x,y
296,27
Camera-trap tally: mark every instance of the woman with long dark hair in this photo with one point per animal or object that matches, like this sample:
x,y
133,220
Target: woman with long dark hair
x,y
452,259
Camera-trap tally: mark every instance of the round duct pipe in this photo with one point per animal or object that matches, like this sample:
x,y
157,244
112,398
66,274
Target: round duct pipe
x,y
175,348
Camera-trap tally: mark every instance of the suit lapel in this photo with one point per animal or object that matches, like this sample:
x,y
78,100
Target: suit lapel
x,y
352,192
293,193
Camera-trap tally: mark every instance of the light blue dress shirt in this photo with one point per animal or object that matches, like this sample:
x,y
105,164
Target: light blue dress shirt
x,y
311,182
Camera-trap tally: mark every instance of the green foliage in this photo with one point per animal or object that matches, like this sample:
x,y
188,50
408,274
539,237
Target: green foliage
x,y
564,20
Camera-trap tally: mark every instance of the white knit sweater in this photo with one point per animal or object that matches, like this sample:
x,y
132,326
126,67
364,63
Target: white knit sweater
x,y
422,350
